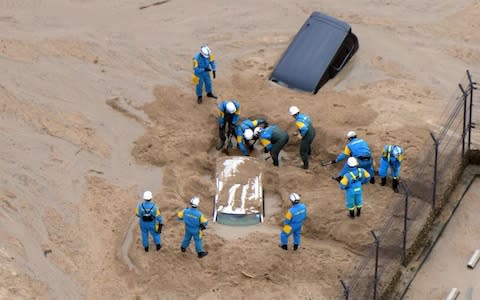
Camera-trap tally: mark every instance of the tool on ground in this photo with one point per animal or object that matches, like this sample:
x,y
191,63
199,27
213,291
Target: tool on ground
x,y
229,138
324,163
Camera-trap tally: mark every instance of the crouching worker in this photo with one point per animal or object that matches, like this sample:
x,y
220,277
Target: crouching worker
x,y
293,223
359,149
195,223
351,183
229,115
150,220
273,139
245,134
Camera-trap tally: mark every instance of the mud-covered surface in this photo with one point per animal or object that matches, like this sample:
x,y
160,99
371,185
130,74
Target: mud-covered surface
x,y
97,106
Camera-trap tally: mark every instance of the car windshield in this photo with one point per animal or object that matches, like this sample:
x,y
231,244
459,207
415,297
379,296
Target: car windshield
x,y
239,220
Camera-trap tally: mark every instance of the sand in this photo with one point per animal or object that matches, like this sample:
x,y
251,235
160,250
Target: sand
x,y
97,106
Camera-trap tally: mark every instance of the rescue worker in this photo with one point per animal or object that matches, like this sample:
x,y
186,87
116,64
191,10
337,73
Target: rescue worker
x,y
293,222
150,220
352,183
245,136
359,149
392,157
306,133
203,64
228,117
195,223
273,139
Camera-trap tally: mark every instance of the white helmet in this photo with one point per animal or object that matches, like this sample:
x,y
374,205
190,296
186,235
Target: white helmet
x,y
351,134
230,107
396,151
205,51
248,134
195,201
352,162
293,110
294,197
147,195
257,131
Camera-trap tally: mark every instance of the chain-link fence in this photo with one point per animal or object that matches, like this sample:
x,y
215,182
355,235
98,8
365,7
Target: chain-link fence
x,y
420,197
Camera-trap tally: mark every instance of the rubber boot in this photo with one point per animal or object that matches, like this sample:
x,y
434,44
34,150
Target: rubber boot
x,y
158,247
295,247
359,211
395,185
146,249
211,95
372,180
183,249
384,181
199,99
305,165
284,247
202,254
351,213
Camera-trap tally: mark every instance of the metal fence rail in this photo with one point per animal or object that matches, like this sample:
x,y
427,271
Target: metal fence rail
x,y
419,195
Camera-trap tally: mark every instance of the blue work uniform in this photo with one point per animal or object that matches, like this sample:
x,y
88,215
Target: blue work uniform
x,y
273,139
392,157
200,75
359,149
149,219
351,183
194,220
240,130
225,118
292,224
306,130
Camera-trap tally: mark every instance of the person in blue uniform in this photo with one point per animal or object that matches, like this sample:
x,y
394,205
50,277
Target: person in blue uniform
x,y
245,134
150,221
229,115
203,64
293,222
351,183
195,223
273,139
392,157
359,149
306,133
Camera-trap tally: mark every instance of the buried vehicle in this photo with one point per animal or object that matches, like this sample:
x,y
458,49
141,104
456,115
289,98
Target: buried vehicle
x,y
239,197
319,50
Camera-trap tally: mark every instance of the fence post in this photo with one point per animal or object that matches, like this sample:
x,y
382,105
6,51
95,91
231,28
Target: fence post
x,y
345,289
375,278
434,171
405,218
464,130
471,86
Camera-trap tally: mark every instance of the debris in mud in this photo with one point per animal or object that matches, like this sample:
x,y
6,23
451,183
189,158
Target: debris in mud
x,y
47,251
247,275
154,4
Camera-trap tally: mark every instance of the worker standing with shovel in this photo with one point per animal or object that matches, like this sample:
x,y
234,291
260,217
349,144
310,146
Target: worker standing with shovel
x,y
306,133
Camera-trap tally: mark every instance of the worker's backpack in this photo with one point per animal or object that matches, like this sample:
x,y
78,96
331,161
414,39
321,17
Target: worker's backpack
x,y
147,215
